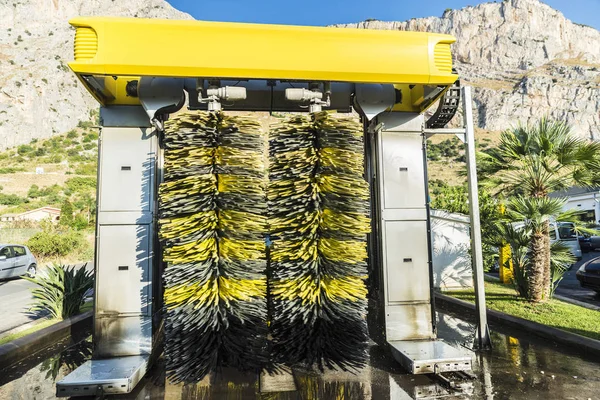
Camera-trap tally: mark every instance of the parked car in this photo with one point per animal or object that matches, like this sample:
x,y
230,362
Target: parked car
x,y
588,275
565,233
16,260
585,243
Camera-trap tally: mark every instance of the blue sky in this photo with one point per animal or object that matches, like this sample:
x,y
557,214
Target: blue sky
x,y
325,12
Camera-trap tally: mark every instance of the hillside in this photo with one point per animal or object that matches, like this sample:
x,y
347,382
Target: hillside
x,y
524,59
39,95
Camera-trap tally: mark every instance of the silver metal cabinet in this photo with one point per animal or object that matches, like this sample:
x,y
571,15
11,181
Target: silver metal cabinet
x,y
124,250
124,278
407,261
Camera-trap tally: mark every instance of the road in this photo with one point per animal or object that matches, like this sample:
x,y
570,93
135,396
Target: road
x,y
570,287
15,298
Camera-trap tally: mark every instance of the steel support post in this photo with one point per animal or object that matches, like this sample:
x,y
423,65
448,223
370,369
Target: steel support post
x,y
482,340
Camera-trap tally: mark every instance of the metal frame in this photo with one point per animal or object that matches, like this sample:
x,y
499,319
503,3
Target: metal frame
x,y
467,135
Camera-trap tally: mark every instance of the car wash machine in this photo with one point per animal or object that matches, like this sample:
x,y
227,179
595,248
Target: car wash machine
x,y
144,71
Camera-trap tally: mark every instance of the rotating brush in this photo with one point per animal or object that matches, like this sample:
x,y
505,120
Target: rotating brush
x,y
212,208
319,218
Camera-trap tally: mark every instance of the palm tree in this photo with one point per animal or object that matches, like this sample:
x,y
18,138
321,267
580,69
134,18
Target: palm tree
x,y
533,161
527,235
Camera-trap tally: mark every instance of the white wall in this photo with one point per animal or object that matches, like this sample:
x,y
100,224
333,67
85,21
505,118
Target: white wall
x,y
584,202
451,251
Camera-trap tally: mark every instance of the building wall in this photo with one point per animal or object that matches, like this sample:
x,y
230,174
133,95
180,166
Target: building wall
x,y
451,241
584,202
38,215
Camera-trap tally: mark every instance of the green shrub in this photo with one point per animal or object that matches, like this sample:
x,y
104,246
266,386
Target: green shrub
x,y
86,169
11,199
66,213
11,170
34,191
89,146
80,222
61,290
72,134
80,184
24,149
40,151
85,124
50,243
72,152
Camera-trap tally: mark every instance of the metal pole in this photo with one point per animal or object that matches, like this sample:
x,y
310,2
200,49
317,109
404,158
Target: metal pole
x,y
483,336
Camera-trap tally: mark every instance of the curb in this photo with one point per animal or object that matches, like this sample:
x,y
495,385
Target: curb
x,y
35,342
576,302
574,340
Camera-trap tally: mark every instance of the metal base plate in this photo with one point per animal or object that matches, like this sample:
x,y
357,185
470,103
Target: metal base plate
x,y
110,376
429,356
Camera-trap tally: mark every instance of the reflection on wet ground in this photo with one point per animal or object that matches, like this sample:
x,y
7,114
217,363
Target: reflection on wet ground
x,y
519,367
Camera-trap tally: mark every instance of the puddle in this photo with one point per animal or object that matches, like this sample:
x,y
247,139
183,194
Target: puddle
x,y
519,367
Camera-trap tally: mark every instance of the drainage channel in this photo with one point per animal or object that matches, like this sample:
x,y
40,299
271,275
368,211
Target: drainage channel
x,y
519,367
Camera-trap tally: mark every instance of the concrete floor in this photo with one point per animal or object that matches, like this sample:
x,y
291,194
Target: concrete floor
x,y
519,367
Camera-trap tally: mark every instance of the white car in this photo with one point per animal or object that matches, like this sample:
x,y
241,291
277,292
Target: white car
x,y
16,260
565,233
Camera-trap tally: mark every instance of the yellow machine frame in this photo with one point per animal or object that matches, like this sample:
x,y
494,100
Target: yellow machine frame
x,y
114,50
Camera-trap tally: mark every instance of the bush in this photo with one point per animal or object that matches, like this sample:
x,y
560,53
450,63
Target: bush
x,y
50,243
72,134
11,199
86,169
85,124
34,191
66,213
40,151
61,290
80,222
81,184
24,149
11,170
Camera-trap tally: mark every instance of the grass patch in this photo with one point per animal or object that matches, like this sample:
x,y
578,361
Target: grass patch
x,y
13,336
554,313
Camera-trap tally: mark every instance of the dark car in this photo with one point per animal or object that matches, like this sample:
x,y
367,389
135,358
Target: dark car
x,y
586,244
588,274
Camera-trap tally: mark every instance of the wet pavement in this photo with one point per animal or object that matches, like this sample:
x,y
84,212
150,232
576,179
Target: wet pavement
x,y
519,367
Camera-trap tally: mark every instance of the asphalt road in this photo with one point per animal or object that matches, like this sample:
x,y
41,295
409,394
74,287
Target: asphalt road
x,y
15,298
570,287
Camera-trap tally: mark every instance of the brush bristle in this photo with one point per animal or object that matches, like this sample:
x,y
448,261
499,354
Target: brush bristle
x,y
212,227
319,218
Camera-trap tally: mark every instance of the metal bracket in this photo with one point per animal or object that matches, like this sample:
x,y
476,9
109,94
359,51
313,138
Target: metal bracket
x,y
215,94
313,95
160,96
374,99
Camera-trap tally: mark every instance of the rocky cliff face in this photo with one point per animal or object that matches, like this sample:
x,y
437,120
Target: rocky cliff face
x,y
524,59
39,95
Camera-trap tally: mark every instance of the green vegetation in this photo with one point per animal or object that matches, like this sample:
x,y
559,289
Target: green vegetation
x,y
60,290
529,163
553,313
39,326
54,242
449,149
455,199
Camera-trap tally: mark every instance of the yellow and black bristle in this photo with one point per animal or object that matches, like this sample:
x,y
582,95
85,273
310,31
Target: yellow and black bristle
x,y
319,218
212,227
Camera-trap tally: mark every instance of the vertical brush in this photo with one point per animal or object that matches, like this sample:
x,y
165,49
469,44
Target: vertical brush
x,y
212,209
319,218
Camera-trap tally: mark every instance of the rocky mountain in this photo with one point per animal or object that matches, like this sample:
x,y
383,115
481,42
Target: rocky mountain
x,y
39,95
524,60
